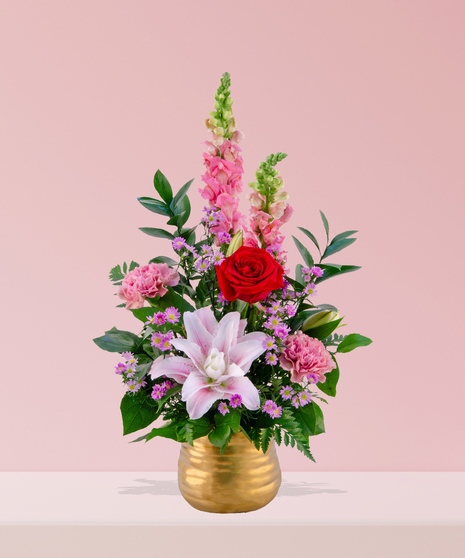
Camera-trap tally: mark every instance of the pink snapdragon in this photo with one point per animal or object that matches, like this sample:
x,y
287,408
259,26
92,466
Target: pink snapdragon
x,y
147,281
305,356
223,182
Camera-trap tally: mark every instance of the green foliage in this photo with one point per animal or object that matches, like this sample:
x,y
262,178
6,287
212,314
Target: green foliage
x,y
163,187
341,236
166,431
325,224
309,419
171,298
164,259
219,436
337,247
311,237
138,411
321,332
231,419
155,206
175,204
304,252
331,270
329,386
157,233
278,435
116,341
353,341
267,434
116,274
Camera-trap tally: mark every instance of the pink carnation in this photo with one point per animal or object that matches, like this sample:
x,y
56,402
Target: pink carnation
x,y
147,281
305,355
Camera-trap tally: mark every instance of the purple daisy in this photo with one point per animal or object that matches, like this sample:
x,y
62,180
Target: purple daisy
x,y
286,392
235,400
223,408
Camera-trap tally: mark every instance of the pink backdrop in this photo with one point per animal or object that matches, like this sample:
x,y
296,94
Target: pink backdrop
x,y
366,97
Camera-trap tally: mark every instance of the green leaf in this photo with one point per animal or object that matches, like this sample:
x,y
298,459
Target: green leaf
x,y
116,274
311,237
352,341
136,413
184,209
310,418
304,252
163,187
125,268
332,378
171,298
187,234
166,431
278,435
342,235
225,445
232,419
267,434
325,223
177,220
298,274
219,435
155,206
116,341
144,313
133,265
164,259
331,270
158,233
337,247
286,439
201,427
323,331
180,195
143,369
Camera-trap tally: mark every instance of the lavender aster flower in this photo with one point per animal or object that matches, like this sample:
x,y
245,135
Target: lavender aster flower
x,y
223,408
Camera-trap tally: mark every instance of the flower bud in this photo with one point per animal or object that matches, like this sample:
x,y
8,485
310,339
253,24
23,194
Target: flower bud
x,y
281,196
218,131
227,114
236,242
319,319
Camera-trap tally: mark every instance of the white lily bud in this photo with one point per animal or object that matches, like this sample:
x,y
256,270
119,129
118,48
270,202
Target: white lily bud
x,y
321,318
236,242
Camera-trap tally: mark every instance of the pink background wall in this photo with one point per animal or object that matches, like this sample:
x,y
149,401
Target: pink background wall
x,y
366,97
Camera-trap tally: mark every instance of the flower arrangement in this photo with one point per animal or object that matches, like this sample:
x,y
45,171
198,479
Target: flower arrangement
x,y
229,341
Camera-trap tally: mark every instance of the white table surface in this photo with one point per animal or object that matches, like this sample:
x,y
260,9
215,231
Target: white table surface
x,y
304,499
432,504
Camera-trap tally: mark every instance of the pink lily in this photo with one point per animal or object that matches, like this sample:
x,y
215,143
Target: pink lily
x,y
219,357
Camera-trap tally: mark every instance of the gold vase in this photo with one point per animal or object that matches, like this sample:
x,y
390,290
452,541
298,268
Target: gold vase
x,y
243,479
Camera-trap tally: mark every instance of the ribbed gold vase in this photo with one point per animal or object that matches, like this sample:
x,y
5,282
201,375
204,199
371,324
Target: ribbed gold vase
x,y
242,479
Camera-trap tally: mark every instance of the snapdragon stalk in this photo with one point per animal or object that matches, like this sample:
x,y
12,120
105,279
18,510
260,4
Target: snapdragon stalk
x,y
221,121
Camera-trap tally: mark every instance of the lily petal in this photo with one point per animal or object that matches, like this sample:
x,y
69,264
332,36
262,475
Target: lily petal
x,y
254,336
245,388
232,371
243,354
178,368
201,401
226,335
241,329
197,333
193,383
192,351
208,319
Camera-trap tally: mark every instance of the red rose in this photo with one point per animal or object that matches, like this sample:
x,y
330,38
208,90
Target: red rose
x,y
250,274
